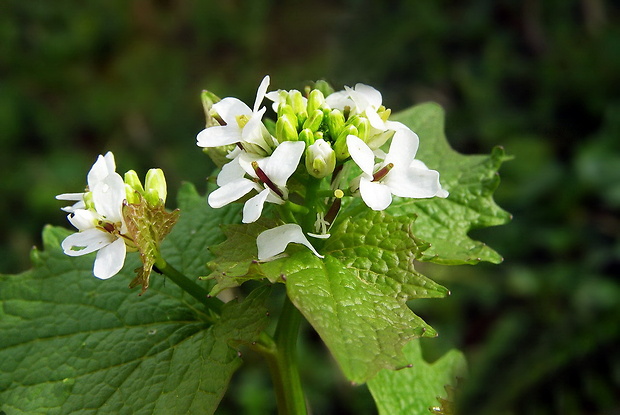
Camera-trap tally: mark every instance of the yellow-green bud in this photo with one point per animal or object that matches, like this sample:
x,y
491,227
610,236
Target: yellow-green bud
x,y
131,194
324,87
208,99
363,126
320,159
314,120
132,180
296,100
155,189
335,123
285,109
342,151
316,99
286,129
306,136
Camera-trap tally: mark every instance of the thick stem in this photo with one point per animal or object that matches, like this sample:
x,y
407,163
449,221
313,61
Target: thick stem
x,y
212,303
280,354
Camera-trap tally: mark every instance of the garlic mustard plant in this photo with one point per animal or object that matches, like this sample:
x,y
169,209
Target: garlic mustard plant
x,y
326,193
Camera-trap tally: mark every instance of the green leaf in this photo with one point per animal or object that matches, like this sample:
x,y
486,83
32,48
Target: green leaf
x,y
381,249
71,342
471,181
237,257
416,389
363,327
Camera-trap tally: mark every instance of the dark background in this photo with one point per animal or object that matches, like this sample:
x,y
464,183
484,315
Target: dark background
x,y
541,78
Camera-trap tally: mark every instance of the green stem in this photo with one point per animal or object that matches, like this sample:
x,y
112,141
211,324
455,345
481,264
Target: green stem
x,y
212,303
280,354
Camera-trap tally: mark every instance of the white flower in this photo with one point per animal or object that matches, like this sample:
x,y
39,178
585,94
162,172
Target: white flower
x,y
101,228
274,241
242,125
272,173
362,100
104,166
397,174
320,159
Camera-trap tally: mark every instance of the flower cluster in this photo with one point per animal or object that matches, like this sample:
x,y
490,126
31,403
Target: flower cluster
x,y
111,217
298,162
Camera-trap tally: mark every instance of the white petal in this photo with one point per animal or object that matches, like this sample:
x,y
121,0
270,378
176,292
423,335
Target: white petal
x,y
108,197
416,181
83,219
371,95
230,192
339,100
377,196
274,241
260,94
284,161
70,196
374,119
254,207
229,108
403,147
361,154
103,167
85,242
230,172
110,260
220,135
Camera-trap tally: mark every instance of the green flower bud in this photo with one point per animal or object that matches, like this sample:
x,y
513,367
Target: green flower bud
x,y
324,87
320,159
296,100
208,99
285,109
286,129
314,120
133,181
155,189
363,126
335,123
316,99
342,151
306,136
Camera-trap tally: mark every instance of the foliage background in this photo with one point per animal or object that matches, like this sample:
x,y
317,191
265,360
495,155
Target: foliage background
x,y
542,79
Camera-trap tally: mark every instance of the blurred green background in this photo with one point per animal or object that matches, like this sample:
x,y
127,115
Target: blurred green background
x,y
541,78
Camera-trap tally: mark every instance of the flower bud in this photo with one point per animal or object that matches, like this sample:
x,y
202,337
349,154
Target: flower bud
x,y
316,99
320,159
286,129
335,123
155,189
314,120
306,136
285,109
363,127
208,99
324,87
297,101
133,187
341,148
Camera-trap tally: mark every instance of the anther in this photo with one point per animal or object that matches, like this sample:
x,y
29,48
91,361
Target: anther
x,y
263,178
381,173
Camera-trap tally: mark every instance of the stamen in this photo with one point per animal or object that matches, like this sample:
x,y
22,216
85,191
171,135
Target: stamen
x,y
335,207
381,173
218,119
263,178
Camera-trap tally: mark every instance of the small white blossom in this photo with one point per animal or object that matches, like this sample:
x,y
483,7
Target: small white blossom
x,y
242,125
100,228
397,174
274,241
277,169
